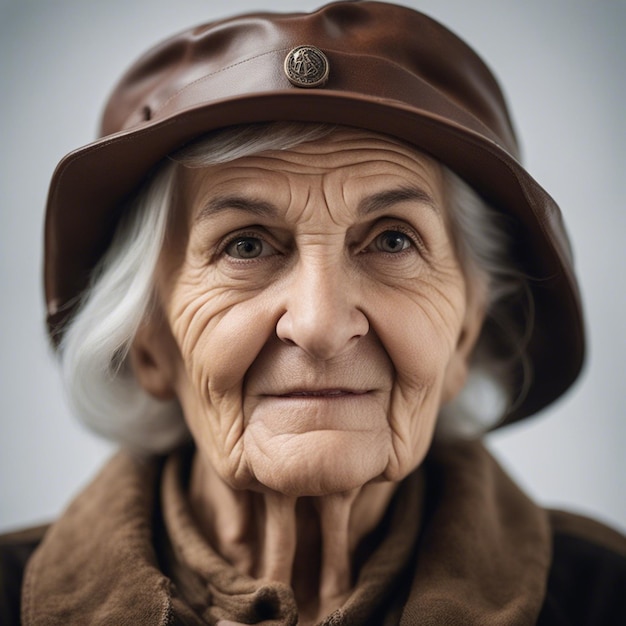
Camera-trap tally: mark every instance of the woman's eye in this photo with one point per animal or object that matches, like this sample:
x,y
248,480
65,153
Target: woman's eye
x,y
248,248
392,241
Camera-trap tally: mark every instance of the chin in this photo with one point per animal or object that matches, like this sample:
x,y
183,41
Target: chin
x,y
319,463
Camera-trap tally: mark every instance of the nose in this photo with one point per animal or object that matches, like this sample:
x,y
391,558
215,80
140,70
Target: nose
x,y
322,314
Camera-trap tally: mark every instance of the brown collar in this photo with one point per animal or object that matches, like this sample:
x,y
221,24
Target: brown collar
x,y
482,556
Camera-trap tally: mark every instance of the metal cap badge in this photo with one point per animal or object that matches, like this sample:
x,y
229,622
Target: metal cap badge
x,y
306,66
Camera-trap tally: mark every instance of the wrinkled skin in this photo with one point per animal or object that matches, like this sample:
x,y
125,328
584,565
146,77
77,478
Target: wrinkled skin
x,y
312,318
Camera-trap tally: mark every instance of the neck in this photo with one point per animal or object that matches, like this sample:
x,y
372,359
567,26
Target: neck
x,y
308,543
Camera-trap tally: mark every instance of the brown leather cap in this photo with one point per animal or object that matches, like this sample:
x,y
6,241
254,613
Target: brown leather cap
x,y
390,70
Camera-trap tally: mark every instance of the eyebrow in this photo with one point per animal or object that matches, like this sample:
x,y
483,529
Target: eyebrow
x,y
370,204
384,199
239,203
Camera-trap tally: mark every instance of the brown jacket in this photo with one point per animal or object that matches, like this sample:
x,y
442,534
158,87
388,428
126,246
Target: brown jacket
x,y
127,551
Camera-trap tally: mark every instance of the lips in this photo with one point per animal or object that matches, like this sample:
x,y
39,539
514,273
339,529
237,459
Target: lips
x,y
322,393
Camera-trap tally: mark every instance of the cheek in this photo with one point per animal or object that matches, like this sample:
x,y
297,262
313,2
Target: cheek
x,y
420,342
419,329
220,332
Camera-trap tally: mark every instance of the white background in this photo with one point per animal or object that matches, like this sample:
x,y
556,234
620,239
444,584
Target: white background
x,y
562,65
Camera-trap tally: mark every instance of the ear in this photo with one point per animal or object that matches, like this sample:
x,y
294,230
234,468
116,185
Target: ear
x,y
458,366
154,357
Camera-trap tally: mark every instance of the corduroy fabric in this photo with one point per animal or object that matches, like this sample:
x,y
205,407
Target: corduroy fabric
x,y
479,554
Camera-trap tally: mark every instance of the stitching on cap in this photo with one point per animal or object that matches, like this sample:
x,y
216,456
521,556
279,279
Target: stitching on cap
x,y
223,69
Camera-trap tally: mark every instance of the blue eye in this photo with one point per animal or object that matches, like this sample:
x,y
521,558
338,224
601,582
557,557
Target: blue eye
x,y
248,248
392,241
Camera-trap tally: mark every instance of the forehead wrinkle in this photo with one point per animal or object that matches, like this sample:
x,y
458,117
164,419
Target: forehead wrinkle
x,y
419,177
307,207
287,163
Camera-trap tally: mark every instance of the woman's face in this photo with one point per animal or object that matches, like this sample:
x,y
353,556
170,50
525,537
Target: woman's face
x,y
312,314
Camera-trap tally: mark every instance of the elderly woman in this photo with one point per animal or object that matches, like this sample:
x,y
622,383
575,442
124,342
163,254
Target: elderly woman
x,y
297,276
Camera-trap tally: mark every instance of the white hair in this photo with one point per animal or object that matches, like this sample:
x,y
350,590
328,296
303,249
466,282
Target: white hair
x,y
481,238
98,378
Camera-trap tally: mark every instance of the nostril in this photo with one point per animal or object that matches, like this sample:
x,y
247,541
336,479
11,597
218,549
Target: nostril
x,y
324,329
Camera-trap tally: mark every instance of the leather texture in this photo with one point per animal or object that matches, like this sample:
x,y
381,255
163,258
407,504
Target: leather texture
x,y
392,70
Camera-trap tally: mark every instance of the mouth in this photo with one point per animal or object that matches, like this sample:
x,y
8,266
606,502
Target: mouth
x,y
322,393
306,409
